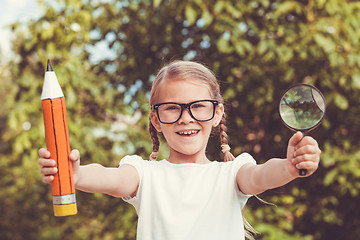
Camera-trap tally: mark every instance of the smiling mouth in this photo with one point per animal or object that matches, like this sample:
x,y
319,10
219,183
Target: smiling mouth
x,y
188,133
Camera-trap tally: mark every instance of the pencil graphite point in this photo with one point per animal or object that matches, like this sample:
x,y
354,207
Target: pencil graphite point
x,y
49,67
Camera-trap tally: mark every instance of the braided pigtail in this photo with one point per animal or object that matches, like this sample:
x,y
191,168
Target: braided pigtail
x,y
224,141
155,141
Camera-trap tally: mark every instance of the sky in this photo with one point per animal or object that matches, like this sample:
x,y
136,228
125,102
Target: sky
x,y
14,11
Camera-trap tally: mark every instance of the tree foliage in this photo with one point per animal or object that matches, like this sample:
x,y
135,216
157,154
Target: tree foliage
x,y
256,48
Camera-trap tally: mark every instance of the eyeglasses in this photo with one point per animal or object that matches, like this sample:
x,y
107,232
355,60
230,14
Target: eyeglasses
x,y
171,112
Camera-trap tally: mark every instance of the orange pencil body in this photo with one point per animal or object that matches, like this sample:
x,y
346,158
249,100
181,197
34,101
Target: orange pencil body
x,y
57,142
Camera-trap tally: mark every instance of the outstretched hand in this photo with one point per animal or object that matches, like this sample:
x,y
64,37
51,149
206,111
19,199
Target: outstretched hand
x,y
48,166
302,153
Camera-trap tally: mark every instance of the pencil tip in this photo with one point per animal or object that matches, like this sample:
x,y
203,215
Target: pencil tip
x,y
49,67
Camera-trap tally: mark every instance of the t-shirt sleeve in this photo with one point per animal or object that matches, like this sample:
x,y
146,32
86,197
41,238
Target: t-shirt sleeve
x,y
138,163
240,161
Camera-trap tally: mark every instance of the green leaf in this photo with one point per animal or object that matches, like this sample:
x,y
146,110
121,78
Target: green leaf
x,y
289,6
325,42
224,46
262,47
330,177
219,6
190,14
356,81
207,17
156,3
341,101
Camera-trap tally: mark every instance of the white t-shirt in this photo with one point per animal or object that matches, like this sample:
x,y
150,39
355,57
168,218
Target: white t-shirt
x,y
188,201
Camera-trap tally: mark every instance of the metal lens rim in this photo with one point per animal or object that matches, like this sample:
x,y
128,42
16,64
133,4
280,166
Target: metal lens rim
x,y
320,120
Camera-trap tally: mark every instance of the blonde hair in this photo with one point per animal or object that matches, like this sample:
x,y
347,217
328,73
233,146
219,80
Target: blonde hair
x,y
188,70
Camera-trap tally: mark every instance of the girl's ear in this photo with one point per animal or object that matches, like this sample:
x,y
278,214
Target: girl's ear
x,y
155,121
219,112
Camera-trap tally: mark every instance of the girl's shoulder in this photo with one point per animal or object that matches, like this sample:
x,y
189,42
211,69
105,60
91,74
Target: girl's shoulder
x,y
240,161
130,158
134,160
244,158
137,161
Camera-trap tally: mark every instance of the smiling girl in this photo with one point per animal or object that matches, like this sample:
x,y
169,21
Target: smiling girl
x,y
186,196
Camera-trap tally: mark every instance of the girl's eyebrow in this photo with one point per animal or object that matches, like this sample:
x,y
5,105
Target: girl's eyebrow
x,y
185,103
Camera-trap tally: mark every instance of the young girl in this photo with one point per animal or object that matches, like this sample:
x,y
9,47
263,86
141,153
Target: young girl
x,y
187,196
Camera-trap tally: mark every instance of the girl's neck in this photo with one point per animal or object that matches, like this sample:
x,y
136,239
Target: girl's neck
x,y
179,158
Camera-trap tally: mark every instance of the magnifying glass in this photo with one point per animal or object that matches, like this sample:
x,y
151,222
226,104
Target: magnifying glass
x,y
302,108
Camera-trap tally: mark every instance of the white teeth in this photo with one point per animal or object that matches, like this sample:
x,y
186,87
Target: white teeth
x,y
188,132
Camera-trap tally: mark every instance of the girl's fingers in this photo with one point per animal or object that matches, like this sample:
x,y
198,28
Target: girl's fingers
x,y
43,152
75,155
310,166
44,162
307,149
295,139
314,158
48,170
307,140
48,179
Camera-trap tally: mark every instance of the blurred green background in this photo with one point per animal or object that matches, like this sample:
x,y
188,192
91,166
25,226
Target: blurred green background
x,y
106,53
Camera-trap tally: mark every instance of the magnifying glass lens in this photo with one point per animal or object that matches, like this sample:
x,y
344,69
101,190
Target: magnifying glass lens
x,y
302,107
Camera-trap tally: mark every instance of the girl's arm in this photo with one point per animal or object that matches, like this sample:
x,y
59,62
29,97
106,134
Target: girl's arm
x,y
302,153
117,182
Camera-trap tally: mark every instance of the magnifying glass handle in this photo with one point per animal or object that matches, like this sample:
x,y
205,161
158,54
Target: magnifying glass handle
x,y
302,172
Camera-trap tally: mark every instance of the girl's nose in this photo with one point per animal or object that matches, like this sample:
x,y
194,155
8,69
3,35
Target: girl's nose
x,y
186,117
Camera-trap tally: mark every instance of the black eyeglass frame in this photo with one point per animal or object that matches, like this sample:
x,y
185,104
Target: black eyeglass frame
x,y
187,106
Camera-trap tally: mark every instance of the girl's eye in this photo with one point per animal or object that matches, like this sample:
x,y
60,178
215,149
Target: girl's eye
x,y
198,105
171,107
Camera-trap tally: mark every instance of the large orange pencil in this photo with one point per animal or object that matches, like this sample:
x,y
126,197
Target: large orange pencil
x,y
57,142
